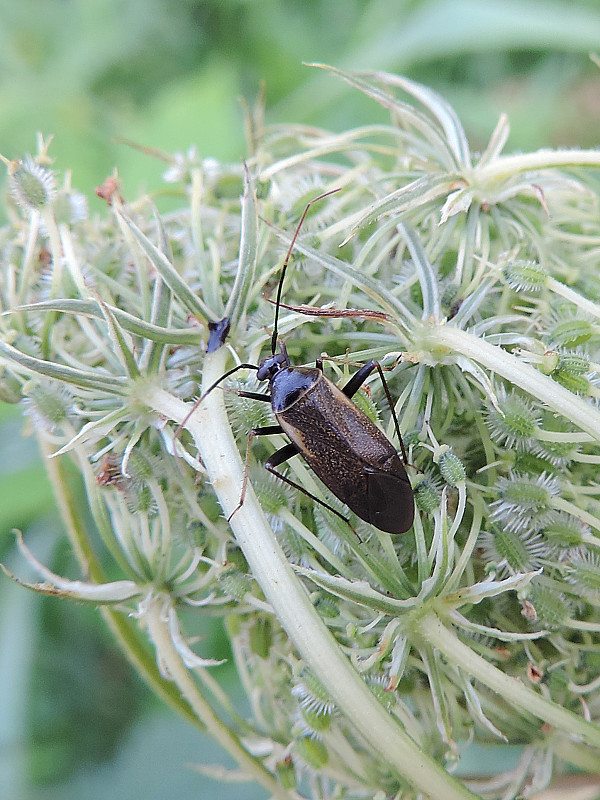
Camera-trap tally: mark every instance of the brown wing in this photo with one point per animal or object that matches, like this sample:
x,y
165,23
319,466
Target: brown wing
x,y
352,457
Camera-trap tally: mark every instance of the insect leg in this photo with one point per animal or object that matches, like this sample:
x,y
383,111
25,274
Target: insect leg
x,y
267,430
283,455
256,396
357,380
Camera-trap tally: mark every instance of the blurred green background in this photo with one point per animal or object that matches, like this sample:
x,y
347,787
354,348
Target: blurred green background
x,y
74,721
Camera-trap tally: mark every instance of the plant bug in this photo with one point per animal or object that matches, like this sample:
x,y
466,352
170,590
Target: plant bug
x,y
338,441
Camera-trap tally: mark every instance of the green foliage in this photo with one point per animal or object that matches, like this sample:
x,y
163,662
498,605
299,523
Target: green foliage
x,y
169,75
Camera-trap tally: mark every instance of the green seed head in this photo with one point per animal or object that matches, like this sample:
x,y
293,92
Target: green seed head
x,y
427,496
317,721
525,276
551,606
451,468
524,501
48,404
31,186
514,422
578,384
565,532
261,637
312,751
521,552
584,573
327,607
571,333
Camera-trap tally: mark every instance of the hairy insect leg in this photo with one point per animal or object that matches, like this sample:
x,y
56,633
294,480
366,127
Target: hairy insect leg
x,y
357,380
266,398
267,430
283,455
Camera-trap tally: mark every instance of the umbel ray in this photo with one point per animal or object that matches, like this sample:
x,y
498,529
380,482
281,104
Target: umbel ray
x,y
338,441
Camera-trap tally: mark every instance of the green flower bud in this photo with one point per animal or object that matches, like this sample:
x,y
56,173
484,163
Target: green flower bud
x,y
234,583
427,496
261,637
571,333
318,720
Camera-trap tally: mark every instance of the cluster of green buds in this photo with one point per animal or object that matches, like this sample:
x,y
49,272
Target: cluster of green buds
x,y
372,663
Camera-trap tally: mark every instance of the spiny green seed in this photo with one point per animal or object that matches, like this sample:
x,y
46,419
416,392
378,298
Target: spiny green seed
x,y
286,774
318,720
315,687
570,362
451,468
585,575
140,499
261,637
571,333
139,467
32,186
51,402
519,416
525,276
564,534
531,463
513,549
578,384
426,496
526,495
327,607
235,583
550,606
514,422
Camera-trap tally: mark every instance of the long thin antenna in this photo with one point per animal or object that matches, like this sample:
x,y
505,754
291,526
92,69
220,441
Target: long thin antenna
x,y
286,262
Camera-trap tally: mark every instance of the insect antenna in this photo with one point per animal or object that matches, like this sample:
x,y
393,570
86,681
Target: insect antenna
x,y
286,262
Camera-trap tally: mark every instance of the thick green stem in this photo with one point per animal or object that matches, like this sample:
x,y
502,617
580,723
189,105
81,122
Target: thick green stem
x,y
290,601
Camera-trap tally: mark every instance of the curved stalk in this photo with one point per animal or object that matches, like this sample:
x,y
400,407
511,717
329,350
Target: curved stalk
x,y
504,167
